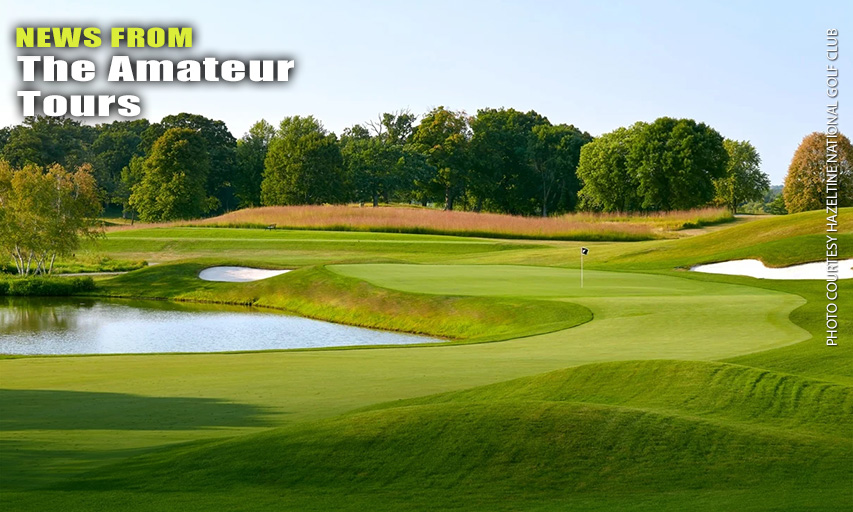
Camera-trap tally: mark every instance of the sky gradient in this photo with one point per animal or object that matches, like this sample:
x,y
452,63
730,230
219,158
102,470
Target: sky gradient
x,y
754,72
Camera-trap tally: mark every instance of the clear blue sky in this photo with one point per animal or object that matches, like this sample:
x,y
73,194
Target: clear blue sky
x,y
752,70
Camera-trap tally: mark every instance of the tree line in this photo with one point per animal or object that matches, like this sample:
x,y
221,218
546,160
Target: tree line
x,y
499,160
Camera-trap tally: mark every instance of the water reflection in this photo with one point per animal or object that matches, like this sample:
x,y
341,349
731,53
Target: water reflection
x,y
50,325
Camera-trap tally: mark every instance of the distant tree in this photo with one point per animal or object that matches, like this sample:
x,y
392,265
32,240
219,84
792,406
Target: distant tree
x,y
374,156
443,136
805,184
368,163
501,171
131,175
555,153
116,144
174,176
675,162
251,153
608,183
45,213
221,148
776,206
45,140
303,165
743,180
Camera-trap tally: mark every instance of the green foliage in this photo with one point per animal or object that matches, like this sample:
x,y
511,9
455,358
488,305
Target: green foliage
x,y
174,176
251,153
744,180
443,137
676,162
608,181
303,165
555,153
113,149
777,206
220,147
45,213
45,140
502,174
669,164
46,286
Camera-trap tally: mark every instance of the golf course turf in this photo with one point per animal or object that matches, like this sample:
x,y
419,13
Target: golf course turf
x,y
650,388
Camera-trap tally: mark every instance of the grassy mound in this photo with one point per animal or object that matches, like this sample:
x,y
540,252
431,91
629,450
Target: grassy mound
x,y
777,241
315,292
703,389
659,435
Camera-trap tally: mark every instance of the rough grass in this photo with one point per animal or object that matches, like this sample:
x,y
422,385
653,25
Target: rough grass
x,y
578,226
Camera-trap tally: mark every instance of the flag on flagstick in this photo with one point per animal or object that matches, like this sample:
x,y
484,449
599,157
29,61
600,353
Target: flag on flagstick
x,y
584,251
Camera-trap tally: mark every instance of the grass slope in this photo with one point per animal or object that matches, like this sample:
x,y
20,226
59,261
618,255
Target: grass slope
x,y
660,435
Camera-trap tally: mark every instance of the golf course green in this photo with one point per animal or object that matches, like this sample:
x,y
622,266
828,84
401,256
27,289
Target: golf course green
x,y
649,388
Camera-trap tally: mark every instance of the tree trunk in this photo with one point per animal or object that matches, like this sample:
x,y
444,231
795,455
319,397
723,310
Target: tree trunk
x,y
52,259
448,199
19,260
375,199
29,262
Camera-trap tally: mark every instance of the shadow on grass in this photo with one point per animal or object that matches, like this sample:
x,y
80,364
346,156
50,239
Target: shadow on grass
x,y
77,410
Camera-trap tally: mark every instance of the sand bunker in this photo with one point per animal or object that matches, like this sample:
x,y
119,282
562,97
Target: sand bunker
x,y
755,268
237,274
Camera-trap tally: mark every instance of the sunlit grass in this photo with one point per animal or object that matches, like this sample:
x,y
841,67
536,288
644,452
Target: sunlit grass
x,y
575,226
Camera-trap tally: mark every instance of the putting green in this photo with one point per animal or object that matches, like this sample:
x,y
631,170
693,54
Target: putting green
x,y
638,316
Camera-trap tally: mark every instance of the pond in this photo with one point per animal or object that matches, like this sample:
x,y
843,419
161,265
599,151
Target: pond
x,y
47,325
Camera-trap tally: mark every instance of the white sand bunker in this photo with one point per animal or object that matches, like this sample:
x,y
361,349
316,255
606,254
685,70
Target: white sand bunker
x,y
755,268
237,274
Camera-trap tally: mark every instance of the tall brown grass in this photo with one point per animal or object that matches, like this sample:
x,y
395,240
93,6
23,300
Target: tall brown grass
x,y
577,226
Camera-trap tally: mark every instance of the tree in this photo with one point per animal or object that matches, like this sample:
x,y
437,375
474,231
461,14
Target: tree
x,y
375,162
676,162
45,140
805,184
303,165
776,206
443,136
131,176
502,174
45,213
555,154
174,176
251,153
607,181
116,144
744,180
220,147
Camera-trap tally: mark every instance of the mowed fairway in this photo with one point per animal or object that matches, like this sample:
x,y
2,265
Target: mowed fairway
x,y
276,431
